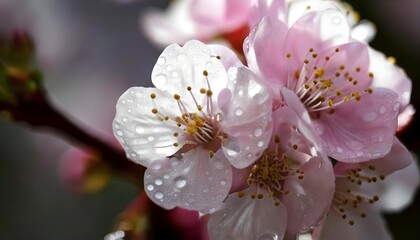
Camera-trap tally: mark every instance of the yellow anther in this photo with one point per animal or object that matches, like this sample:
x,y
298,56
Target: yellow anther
x,y
176,134
154,111
311,49
342,67
152,95
199,107
369,90
306,61
288,55
175,144
209,93
314,55
358,69
295,146
189,88
327,58
337,50
277,139
330,103
205,73
202,90
241,194
371,75
211,154
177,97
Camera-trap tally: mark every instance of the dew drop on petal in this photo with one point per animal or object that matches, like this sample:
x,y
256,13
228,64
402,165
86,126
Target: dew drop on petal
x,y
158,181
180,182
223,182
209,64
119,133
150,138
268,236
166,176
169,67
218,165
396,106
156,165
218,117
382,109
158,195
339,150
161,61
174,162
205,190
239,111
150,187
336,20
359,153
260,144
175,74
258,132
368,117
232,153
139,129
160,80
125,119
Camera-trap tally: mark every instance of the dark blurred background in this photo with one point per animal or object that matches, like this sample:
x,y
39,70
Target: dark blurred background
x,y
91,52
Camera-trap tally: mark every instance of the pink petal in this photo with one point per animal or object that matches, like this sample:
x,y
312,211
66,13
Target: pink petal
x,y
264,50
361,130
247,218
398,189
195,182
142,135
309,199
371,227
390,76
274,9
317,30
247,118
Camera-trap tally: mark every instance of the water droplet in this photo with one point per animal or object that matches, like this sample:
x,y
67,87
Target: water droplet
x,y
139,129
223,182
232,153
249,155
119,133
158,195
269,236
209,64
382,109
396,106
174,162
258,132
150,138
368,117
159,80
169,67
133,155
339,150
218,117
239,111
260,144
359,153
150,187
205,190
175,74
125,119
161,61
180,182
218,165
241,92
156,165
166,176
181,57
336,20
158,181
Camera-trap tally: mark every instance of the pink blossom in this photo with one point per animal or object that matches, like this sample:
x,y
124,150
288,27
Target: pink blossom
x,y
363,190
198,121
288,190
330,75
194,19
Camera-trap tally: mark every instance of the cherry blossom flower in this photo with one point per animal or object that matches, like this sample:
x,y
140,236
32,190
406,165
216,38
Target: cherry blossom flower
x,y
329,73
198,121
194,19
364,190
288,190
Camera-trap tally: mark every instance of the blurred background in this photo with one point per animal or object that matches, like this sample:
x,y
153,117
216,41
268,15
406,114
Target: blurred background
x,y
90,53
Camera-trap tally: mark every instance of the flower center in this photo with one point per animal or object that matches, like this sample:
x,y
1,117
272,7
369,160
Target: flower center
x,y
322,84
198,126
351,197
270,172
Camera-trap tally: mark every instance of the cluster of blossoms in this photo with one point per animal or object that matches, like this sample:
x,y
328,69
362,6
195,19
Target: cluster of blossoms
x,y
298,137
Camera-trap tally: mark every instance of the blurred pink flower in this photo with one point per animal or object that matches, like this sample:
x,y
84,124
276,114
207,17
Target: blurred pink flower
x,y
363,190
330,75
288,191
198,121
194,19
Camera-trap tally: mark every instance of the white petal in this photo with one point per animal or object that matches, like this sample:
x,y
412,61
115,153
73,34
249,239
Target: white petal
x,y
180,67
142,135
195,182
246,118
247,218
